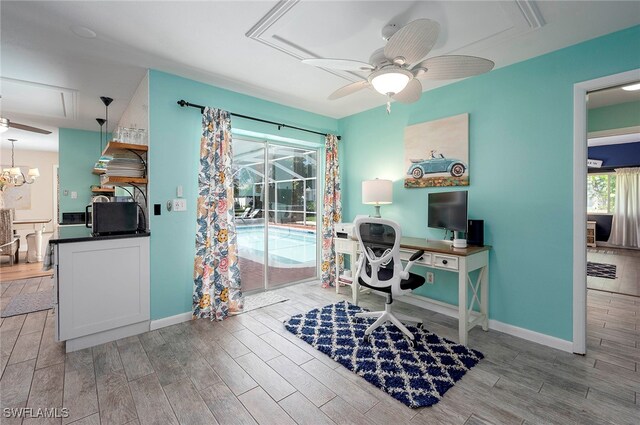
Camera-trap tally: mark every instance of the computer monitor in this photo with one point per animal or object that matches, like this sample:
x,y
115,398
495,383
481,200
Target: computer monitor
x,y
448,210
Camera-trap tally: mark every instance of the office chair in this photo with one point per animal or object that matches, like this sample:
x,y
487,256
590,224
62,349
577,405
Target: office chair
x,y
379,268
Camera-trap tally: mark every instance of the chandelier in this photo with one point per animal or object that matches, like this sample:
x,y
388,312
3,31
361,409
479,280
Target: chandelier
x,y
14,176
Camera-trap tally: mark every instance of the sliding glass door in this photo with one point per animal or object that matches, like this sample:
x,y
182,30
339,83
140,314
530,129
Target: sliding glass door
x,y
249,193
276,221
291,222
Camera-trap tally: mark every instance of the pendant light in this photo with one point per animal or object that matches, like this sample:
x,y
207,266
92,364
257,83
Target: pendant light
x,y
101,122
107,101
103,160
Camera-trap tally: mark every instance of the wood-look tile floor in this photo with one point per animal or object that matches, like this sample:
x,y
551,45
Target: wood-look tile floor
x,y
21,270
249,369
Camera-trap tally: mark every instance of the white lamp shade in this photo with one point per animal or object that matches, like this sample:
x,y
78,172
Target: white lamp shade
x,y
390,81
34,172
377,192
15,171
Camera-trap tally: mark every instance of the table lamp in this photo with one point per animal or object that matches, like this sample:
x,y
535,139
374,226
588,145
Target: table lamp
x,y
377,192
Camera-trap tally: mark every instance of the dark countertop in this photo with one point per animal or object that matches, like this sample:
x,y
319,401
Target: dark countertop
x,y
68,234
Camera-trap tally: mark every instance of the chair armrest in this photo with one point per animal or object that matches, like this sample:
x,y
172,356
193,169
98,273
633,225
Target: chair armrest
x,y
9,243
415,257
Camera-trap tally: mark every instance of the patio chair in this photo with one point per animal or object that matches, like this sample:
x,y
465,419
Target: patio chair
x,y
252,214
8,240
244,214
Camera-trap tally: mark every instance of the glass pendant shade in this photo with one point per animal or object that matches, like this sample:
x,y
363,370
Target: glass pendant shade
x,y
390,81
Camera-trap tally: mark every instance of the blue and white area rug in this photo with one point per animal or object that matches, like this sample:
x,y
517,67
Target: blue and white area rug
x,y
417,376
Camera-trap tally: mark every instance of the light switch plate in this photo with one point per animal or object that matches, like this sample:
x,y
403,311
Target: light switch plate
x,y
74,195
179,205
179,191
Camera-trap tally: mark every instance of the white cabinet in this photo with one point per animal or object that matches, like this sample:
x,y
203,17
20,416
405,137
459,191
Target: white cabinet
x,y
102,289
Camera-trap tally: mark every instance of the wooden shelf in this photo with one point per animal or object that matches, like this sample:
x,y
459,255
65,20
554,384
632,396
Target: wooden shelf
x,y
113,147
99,171
103,190
123,180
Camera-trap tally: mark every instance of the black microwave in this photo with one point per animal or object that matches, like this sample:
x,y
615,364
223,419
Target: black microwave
x,y
110,218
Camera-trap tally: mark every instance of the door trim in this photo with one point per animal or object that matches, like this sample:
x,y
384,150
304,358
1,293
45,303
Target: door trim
x,y
580,91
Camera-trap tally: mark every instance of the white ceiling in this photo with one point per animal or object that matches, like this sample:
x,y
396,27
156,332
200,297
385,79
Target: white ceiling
x,y
31,141
254,47
612,96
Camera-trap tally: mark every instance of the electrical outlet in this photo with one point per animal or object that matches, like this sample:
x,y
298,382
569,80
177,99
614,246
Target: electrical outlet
x,y
179,205
74,195
430,278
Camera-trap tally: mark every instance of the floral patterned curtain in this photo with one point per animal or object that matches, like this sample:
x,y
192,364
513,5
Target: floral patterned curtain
x,y
332,212
216,274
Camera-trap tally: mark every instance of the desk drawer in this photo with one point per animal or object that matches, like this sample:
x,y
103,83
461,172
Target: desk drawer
x,y
445,262
425,260
344,245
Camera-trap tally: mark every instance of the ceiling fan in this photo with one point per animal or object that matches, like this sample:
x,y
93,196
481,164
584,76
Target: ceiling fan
x,y
394,69
5,124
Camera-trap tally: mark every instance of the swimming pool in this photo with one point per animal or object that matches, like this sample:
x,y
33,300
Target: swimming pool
x,y
287,247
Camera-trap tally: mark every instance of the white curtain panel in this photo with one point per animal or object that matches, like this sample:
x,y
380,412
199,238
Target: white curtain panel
x,y
625,229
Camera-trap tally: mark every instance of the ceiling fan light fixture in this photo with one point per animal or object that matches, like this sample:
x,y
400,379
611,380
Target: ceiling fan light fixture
x,y
390,81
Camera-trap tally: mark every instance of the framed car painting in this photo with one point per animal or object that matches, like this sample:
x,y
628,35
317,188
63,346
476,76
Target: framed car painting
x,y
436,153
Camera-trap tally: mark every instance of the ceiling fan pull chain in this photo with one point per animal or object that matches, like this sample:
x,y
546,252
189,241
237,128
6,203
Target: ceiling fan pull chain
x,y
388,104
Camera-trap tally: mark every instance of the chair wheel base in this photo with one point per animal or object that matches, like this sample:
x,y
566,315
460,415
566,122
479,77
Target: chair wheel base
x,y
419,326
365,339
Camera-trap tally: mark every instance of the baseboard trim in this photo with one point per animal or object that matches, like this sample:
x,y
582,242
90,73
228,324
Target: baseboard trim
x,y
533,336
171,320
601,244
452,311
92,340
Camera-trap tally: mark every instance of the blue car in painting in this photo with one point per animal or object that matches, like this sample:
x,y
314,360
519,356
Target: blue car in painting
x,y
420,167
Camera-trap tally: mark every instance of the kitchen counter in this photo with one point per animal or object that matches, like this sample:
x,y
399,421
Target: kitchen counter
x,y
102,287
83,234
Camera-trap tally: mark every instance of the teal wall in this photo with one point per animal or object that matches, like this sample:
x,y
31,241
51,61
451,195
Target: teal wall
x,y
173,160
521,156
78,152
614,116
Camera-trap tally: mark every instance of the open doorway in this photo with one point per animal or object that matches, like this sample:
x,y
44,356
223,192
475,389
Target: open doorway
x,y
604,138
613,216
613,225
28,160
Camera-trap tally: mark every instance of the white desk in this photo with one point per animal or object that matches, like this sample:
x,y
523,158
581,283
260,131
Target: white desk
x,y
441,256
347,247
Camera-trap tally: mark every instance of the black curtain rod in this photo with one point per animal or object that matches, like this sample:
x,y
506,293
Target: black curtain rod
x,y
184,103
